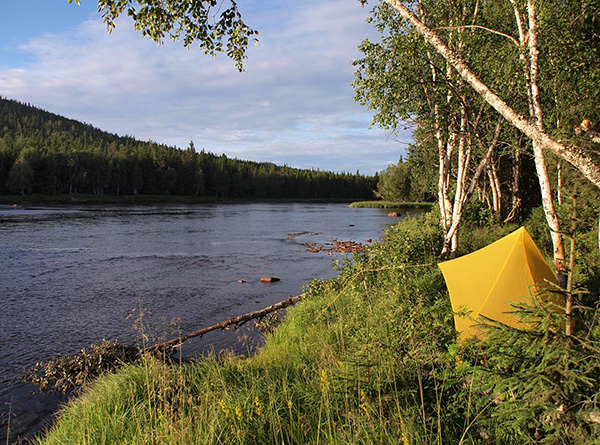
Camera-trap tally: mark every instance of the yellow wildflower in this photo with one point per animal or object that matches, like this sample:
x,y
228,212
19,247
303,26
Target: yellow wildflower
x,y
224,408
458,362
405,438
323,377
258,407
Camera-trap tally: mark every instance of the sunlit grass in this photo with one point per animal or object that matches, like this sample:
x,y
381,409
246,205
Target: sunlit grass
x,y
324,376
390,205
368,358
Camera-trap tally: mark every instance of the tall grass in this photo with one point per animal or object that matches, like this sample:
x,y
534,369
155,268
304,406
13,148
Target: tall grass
x,y
390,205
367,358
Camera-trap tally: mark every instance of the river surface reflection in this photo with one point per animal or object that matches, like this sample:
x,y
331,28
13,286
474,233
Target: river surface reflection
x,y
70,277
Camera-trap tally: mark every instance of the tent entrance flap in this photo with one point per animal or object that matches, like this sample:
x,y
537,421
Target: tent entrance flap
x,y
486,281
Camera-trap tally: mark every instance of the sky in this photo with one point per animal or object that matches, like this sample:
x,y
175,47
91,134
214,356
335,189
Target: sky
x,y
292,105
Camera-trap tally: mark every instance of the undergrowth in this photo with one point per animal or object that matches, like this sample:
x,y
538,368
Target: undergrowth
x,y
368,358
390,205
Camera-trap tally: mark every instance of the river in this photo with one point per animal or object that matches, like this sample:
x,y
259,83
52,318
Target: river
x,y
72,276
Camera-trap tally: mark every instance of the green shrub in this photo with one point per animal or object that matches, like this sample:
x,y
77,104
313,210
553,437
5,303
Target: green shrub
x,y
368,358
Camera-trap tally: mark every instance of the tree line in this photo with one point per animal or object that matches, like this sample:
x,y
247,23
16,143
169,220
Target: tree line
x,y
44,153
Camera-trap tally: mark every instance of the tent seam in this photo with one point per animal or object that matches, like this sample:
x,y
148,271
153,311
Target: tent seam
x,y
500,273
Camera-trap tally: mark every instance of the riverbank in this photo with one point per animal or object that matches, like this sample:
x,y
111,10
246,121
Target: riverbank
x,y
390,205
90,266
370,357
82,199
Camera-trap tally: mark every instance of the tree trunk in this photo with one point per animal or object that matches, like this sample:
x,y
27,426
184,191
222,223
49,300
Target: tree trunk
x,y
579,160
540,163
460,192
559,182
548,205
515,187
495,188
446,210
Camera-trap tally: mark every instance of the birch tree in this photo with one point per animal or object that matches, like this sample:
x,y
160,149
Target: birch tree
x,y
406,83
572,154
526,40
216,26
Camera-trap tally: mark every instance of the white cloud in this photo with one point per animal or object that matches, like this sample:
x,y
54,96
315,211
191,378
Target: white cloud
x,y
293,104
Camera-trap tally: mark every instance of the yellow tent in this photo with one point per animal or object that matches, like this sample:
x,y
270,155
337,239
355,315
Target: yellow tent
x,y
485,281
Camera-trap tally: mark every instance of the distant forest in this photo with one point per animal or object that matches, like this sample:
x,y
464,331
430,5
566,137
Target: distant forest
x,y
44,153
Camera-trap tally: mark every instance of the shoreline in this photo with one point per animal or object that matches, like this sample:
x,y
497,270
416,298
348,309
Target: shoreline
x,y
82,199
221,209
390,205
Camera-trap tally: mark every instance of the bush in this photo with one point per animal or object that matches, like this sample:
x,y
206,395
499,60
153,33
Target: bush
x,y
371,358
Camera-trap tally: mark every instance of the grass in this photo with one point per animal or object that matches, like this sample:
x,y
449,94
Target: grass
x,y
367,358
390,205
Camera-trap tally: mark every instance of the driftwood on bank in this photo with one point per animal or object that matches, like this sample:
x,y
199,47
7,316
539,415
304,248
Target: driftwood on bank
x,y
237,321
70,372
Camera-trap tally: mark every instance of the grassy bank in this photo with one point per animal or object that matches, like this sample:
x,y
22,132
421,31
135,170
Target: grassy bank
x,y
367,358
390,205
79,199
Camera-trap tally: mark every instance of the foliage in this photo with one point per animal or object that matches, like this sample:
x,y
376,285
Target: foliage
x,y
390,205
477,214
394,183
371,358
68,372
187,21
544,384
44,153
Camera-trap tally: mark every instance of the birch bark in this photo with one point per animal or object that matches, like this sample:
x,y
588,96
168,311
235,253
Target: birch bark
x,y
579,160
540,163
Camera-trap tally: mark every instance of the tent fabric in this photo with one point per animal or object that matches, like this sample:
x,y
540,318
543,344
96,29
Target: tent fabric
x,y
487,280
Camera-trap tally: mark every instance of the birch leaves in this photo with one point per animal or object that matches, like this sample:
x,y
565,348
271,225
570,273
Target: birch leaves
x,y
216,26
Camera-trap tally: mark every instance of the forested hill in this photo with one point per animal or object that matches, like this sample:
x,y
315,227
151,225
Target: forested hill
x,y
44,153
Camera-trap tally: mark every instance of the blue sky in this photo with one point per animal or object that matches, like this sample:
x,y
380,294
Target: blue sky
x,y
292,105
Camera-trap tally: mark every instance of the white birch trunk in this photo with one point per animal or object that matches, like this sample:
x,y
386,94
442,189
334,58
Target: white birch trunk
x,y
493,190
579,160
459,194
559,182
453,230
540,163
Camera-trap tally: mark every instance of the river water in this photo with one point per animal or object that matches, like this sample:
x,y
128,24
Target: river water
x,y
70,277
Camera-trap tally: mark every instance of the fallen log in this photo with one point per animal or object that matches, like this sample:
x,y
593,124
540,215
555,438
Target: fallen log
x,y
67,372
238,321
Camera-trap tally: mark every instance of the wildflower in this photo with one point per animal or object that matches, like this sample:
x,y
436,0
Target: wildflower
x,y
458,362
405,438
363,401
224,408
323,377
290,404
258,407
238,412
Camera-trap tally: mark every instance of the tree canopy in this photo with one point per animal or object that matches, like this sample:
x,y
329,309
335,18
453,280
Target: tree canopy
x,y
465,75
216,26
